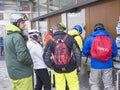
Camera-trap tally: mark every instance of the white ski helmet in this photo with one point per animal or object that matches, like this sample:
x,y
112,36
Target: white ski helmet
x,y
17,18
33,34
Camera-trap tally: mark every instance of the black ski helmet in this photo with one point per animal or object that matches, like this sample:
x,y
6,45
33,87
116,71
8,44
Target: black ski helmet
x,y
99,26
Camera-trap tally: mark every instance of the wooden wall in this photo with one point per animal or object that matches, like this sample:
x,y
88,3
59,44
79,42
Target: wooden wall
x,y
53,20
103,11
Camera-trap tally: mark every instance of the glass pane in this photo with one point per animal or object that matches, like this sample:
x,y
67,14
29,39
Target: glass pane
x,y
43,29
35,8
77,18
24,5
1,16
65,3
6,16
53,5
81,1
2,30
15,5
43,7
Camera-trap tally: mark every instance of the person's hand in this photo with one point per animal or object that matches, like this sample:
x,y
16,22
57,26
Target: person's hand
x,y
78,69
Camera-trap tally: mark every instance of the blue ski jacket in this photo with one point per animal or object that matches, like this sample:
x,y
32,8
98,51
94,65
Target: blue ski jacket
x,y
96,64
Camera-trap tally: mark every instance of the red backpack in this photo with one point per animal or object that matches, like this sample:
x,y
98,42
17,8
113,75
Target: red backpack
x,y
101,48
61,55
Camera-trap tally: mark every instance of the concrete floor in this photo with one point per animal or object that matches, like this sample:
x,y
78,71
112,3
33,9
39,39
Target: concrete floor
x,y
4,80
5,83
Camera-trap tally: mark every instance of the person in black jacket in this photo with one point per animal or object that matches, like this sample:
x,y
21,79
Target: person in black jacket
x,y
70,72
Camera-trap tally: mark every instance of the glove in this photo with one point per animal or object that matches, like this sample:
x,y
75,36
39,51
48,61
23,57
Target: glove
x,y
78,69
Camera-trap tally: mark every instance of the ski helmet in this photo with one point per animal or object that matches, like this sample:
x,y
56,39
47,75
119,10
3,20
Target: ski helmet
x,y
34,34
62,25
78,28
99,26
17,18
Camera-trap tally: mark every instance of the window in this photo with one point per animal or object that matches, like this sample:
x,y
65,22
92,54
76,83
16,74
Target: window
x,y
1,16
65,3
43,7
53,5
35,8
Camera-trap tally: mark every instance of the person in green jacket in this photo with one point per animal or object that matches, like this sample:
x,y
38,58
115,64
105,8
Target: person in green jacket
x,y
17,56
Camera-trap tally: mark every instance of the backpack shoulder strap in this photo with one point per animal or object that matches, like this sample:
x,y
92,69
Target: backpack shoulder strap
x,y
74,35
77,35
65,37
53,40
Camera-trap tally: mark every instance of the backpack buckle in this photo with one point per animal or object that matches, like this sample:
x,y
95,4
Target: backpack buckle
x,y
63,69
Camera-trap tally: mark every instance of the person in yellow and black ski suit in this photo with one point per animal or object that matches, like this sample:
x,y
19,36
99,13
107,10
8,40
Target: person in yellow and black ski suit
x,y
69,73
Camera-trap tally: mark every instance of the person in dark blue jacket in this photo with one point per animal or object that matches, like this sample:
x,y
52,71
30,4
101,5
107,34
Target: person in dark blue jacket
x,y
100,71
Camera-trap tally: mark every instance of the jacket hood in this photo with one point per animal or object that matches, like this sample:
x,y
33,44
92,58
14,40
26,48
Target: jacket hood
x,y
100,33
12,28
73,32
